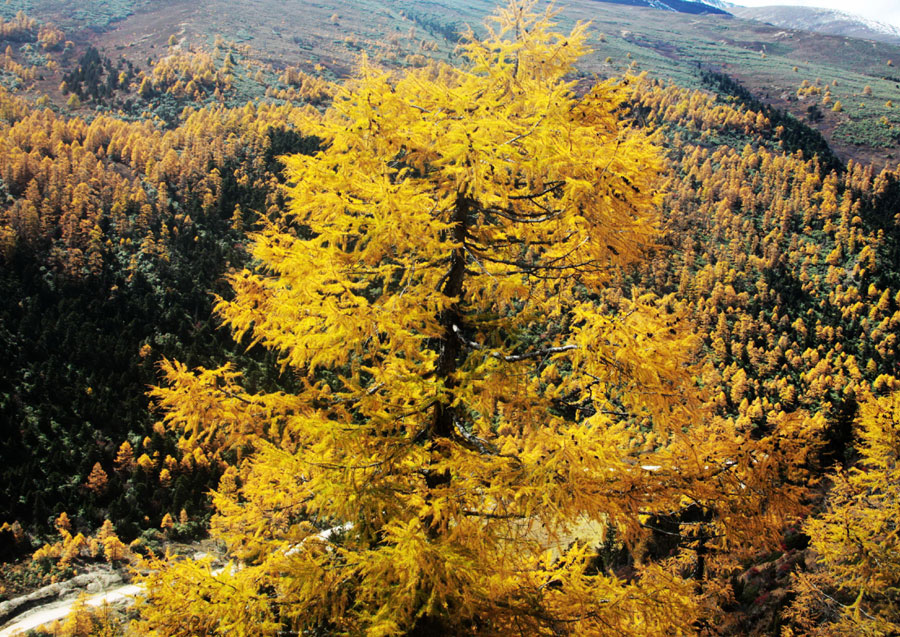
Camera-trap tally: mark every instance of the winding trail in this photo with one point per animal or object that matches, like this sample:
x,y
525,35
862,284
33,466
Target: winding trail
x,y
55,611
124,594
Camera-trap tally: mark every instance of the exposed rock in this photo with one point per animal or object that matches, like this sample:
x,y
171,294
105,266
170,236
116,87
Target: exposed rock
x,y
93,581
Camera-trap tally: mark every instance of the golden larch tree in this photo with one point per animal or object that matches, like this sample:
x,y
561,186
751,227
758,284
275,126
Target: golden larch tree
x,y
854,589
477,412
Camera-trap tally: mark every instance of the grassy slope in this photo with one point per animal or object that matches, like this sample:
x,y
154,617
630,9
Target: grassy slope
x,y
328,36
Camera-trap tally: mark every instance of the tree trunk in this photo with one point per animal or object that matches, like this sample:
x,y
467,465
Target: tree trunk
x,y
451,344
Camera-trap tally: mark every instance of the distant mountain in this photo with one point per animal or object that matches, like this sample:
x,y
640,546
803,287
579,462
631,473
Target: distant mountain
x,y
720,4
820,21
679,6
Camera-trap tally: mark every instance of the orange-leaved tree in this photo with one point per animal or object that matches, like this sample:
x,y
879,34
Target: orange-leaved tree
x,y
476,412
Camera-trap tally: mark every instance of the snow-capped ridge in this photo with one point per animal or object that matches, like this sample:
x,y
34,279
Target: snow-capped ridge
x,y
820,20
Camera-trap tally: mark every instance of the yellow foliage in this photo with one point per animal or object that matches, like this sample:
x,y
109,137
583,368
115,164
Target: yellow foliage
x,y
461,223
20,25
97,479
62,523
114,549
853,591
50,37
79,622
125,458
64,171
74,548
476,398
88,621
144,462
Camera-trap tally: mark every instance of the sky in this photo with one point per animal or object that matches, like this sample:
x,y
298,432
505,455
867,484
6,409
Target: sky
x,y
887,11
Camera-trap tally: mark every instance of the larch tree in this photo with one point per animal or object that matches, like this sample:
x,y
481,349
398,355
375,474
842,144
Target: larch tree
x,y
477,413
855,589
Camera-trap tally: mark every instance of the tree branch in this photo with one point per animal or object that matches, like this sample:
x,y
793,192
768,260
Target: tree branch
x,y
515,358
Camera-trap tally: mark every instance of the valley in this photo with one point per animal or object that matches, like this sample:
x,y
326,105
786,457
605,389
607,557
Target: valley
x,y
348,327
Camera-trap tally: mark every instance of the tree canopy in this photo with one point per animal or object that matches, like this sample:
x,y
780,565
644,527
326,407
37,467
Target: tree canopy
x,y
479,410
854,591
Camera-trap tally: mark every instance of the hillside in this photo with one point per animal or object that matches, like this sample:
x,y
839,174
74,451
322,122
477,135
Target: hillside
x,y
821,21
679,6
778,66
139,145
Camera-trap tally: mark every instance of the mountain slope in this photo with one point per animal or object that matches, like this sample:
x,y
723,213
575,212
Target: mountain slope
x,y
720,4
679,6
821,21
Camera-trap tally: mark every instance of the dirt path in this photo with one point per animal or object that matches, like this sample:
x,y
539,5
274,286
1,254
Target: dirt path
x,y
54,602
58,610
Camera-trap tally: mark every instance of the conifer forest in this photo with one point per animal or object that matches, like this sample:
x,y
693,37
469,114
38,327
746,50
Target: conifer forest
x,y
394,318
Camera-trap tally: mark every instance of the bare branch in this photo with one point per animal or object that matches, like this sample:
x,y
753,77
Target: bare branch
x,y
516,218
494,516
474,443
458,333
513,358
530,130
554,185
536,354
